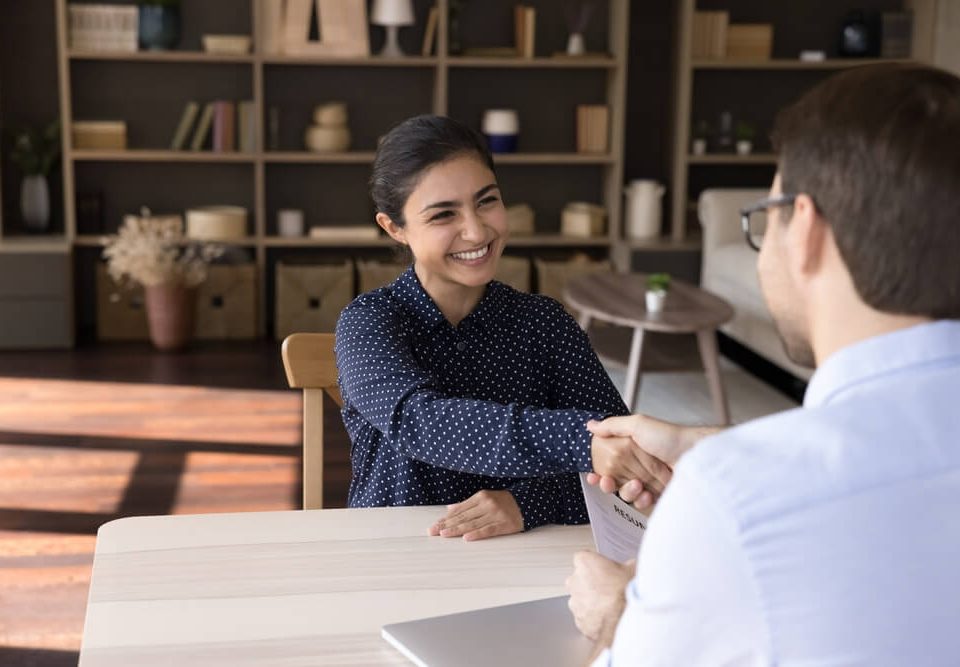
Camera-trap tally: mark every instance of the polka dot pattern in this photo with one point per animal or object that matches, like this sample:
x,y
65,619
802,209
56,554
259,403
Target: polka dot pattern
x,y
436,412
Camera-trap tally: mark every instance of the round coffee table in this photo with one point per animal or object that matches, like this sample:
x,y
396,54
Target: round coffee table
x,y
619,298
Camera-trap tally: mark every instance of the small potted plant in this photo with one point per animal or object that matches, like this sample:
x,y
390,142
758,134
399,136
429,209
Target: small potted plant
x,y
577,15
701,135
35,152
153,252
657,286
745,135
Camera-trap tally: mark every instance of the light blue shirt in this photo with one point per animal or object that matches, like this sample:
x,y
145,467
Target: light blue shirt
x,y
826,535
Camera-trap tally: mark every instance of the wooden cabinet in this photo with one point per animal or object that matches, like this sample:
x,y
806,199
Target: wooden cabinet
x,y
149,90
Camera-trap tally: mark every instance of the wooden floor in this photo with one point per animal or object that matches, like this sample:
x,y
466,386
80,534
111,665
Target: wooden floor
x,y
94,434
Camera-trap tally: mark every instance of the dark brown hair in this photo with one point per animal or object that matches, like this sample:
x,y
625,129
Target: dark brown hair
x,y
412,147
878,150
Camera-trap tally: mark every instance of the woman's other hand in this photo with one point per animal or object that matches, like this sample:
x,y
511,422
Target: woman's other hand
x,y
482,515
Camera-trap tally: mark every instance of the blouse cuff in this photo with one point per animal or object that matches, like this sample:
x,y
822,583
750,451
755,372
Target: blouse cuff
x,y
535,501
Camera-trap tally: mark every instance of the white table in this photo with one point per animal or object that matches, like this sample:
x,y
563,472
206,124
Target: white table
x,y
298,587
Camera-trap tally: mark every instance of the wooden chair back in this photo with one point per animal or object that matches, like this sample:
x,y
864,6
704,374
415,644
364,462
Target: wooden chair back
x,y
310,364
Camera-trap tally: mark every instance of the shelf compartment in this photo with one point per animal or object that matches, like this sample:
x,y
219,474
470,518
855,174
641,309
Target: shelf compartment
x,y
162,57
552,158
586,62
310,242
732,158
148,155
368,61
100,240
793,64
306,157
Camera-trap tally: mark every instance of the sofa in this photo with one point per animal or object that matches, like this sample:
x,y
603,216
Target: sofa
x,y
729,269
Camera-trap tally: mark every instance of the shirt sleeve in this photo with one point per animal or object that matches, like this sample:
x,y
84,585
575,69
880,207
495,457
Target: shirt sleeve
x,y
557,499
579,379
380,378
694,600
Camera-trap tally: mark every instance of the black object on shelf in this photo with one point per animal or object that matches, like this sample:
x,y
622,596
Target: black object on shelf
x,y
860,35
90,212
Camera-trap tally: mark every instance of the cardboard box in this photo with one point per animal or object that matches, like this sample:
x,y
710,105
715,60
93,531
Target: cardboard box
x,y
311,296
514,271
227,303
99,135
372,275
709,35
121,310
552,277
750,41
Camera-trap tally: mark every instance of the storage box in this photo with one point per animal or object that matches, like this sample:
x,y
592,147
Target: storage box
x,y
709,34
552,277
121,310
217,223
99,135
514,271
749,41
371,275
227,303
310,297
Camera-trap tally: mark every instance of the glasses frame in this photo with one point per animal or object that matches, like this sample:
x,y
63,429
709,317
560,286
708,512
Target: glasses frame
x,y
762,205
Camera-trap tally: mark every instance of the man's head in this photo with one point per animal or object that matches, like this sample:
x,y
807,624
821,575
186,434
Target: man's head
x,y
873,157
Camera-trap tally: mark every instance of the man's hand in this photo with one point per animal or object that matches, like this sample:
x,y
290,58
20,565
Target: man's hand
x,y
484,514
620,459
597,596
662,440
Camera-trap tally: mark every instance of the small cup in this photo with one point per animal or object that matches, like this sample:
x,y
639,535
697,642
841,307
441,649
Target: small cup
x,y
290,222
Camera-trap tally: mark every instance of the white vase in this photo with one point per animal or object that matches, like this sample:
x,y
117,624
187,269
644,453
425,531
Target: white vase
x,y
576,45
35,203
744,147
655,300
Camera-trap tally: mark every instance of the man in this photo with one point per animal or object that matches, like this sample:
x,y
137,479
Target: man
x,y
829,534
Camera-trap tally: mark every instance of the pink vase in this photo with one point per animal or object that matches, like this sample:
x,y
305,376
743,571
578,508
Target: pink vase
x,y
170,311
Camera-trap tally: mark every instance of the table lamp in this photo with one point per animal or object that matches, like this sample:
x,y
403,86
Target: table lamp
x,y
392,14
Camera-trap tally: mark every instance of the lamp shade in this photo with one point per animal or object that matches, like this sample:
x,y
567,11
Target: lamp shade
x,y
392,12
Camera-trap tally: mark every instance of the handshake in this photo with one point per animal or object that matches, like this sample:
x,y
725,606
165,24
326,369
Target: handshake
x,y
635,455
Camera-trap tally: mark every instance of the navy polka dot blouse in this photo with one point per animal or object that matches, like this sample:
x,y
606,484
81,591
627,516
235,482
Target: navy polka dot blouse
x,y
436,412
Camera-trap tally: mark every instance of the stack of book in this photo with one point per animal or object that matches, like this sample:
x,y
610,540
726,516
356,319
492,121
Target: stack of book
x,y
593,123
223,125
709,39
103,27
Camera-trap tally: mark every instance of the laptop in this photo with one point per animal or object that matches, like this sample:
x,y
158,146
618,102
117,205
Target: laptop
x,y
541,632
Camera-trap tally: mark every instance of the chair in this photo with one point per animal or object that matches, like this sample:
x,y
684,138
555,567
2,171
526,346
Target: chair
x,y
310,364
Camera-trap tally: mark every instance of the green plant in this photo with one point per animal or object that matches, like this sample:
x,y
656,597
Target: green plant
x,y
745,131
701,130
36,150
658,282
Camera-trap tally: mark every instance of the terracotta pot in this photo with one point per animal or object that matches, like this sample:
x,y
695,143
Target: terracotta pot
x,y
170,311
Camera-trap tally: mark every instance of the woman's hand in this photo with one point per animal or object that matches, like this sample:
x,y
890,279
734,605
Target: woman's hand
x,y
482,515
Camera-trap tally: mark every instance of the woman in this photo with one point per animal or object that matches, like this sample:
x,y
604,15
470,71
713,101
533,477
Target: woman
x,y
457,389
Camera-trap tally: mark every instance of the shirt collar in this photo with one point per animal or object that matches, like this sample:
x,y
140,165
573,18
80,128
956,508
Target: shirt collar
x,y
883,355
408,290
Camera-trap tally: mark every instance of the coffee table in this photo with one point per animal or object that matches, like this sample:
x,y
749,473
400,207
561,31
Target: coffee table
x,y
619,298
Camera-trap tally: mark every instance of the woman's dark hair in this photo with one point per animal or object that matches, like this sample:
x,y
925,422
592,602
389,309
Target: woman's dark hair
x,y
412,147
878,150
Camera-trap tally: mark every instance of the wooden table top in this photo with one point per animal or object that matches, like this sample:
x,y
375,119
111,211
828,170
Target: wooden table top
x,y
299,587
620,298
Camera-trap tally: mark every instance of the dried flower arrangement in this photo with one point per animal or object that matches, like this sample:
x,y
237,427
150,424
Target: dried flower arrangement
x,y
154,251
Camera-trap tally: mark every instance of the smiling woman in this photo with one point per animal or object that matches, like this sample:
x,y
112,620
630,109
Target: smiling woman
x,y
459,390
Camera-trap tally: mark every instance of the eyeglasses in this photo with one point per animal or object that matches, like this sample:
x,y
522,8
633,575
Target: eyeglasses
x,y
753,218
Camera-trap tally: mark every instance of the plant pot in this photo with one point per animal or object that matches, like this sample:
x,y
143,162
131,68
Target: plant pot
x,y
35,203
170,311
699,147
655,300
159,27
744,147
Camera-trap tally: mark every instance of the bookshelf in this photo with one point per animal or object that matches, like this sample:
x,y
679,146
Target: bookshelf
x,y
331,188
755,90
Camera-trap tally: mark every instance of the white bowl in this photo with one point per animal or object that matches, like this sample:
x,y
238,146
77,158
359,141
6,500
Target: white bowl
x,y
323,139
217,222
226,44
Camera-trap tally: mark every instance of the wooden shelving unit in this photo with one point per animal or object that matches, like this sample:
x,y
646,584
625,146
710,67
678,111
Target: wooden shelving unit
x,y
697,79
284,175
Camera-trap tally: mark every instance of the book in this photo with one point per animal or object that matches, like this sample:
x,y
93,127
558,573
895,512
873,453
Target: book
x,y
271,12
179,141
246,127
593,127
430,32
529,32
203,128
224,126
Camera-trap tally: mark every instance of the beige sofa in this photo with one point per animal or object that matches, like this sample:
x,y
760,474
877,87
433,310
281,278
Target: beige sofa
x,y
729,269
